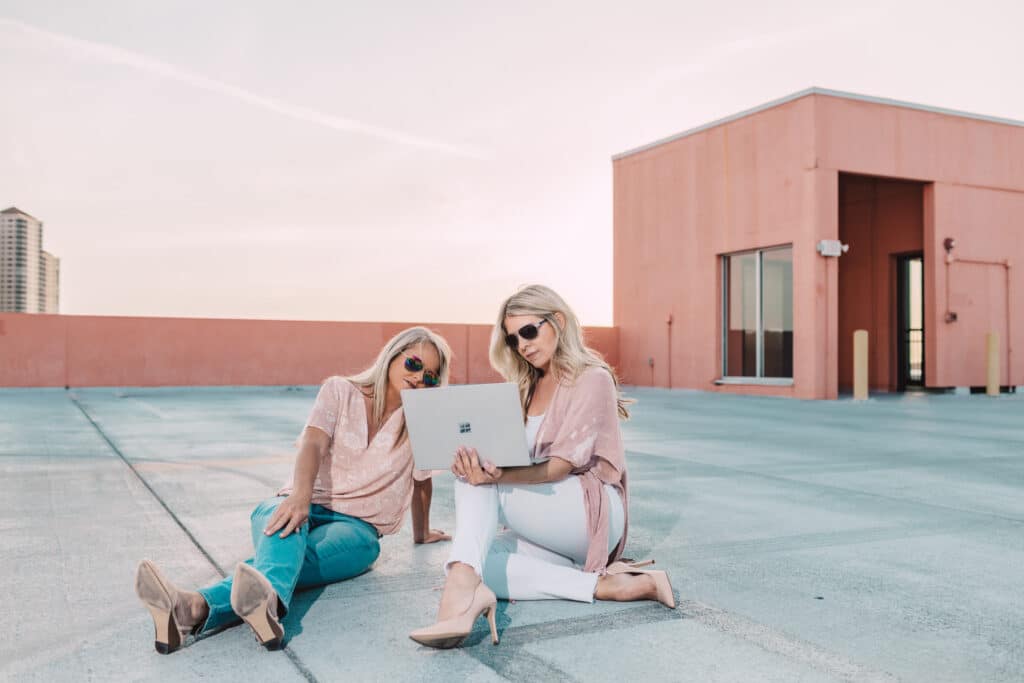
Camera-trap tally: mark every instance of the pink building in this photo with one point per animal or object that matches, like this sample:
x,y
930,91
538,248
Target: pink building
x,y
723,275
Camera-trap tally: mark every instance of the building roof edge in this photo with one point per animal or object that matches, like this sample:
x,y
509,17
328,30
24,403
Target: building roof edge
x,y
817,91
16,210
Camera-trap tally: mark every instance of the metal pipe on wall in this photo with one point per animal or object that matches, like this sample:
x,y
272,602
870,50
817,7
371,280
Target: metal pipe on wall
x,y
668,322
951,316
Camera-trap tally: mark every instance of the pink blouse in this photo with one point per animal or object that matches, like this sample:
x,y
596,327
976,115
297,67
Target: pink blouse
x,y
372,481
581,426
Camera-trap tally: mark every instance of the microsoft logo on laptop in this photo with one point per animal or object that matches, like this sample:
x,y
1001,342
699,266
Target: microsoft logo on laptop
x,y
464,428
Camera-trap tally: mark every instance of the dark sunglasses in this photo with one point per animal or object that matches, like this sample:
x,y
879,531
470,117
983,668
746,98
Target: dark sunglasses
x,y
415,364
527,332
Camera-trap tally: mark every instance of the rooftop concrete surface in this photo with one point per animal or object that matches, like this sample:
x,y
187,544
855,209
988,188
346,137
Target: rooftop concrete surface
x,y
880,540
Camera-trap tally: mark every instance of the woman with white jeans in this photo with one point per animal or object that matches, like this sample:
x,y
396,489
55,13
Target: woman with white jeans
x,y
534,558
566,515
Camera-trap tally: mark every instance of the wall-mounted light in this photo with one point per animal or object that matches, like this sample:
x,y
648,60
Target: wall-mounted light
x,y
948,244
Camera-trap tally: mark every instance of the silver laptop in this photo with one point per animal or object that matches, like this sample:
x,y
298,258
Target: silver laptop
x,y
487,417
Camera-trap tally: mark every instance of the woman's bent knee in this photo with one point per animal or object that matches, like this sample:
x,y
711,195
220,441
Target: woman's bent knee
x,y
266,508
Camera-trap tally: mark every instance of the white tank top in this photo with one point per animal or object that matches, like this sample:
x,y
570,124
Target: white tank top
x,y
532,427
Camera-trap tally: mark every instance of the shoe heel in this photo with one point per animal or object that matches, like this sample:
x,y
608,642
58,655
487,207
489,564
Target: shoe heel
x,y
493,623
454,631
251,599
167,638
627,566
267,632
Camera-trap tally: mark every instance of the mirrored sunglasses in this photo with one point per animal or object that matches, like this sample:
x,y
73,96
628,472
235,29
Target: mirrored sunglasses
x,y
415,364
527,332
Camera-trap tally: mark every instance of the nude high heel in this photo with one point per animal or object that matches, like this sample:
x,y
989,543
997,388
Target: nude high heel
x,y
628,563
255,601
159,596
661,582
452,632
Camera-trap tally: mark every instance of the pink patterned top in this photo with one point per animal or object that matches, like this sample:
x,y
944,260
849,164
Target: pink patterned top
x,y
372,481
581,426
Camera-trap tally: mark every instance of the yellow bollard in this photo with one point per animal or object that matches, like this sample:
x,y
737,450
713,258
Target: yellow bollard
x,y
860,365
992,364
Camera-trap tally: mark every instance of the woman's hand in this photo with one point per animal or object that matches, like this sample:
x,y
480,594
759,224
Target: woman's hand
x,y
289,515
468,468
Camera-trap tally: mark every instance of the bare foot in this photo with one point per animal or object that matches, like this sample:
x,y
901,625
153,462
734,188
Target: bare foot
x,y
626,587
458,590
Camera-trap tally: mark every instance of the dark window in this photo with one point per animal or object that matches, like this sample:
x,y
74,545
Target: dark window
x,y
758,315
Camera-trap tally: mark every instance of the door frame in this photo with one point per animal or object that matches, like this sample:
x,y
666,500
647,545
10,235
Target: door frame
x,y
903,380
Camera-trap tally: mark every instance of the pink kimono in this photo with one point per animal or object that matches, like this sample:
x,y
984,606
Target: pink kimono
x,y
581,426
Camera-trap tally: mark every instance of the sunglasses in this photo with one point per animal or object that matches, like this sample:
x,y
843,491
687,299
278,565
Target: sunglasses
x,y
528,331
415,364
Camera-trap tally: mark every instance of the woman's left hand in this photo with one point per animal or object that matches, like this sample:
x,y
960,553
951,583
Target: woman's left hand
x,y
468,468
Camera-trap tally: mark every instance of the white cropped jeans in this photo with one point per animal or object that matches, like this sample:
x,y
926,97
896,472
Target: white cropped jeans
x,y
539,555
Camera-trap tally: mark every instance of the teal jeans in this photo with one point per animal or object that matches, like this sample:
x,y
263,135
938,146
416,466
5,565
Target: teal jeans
x,y
328,547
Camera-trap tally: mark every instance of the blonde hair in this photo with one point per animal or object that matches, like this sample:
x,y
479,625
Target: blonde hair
x,y
375,377
571,355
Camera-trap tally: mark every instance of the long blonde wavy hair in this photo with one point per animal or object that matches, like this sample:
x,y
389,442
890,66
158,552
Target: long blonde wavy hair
x,y
375,377
571,355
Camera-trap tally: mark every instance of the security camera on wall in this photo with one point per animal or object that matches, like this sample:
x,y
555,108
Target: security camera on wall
x,y
832,248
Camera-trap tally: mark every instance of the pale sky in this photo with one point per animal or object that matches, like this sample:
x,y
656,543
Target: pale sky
x,y
411,161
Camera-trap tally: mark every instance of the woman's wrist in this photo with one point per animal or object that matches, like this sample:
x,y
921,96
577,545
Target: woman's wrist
x,y
302,494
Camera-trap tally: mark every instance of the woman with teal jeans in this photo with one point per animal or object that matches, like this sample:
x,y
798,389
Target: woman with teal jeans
x,y
352,483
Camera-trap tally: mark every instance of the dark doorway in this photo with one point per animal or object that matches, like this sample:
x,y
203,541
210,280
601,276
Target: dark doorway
x,y
910,321
882,220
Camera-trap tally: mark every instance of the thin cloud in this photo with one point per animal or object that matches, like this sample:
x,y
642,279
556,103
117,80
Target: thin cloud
x,y
112,54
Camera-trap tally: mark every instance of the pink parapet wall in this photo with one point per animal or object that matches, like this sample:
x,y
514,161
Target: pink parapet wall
x,y
85,351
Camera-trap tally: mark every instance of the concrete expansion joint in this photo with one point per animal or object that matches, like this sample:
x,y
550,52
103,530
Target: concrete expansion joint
x,y
299,665
117,451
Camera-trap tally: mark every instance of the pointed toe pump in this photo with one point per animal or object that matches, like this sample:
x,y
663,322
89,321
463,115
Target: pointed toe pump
x,y
255,601
160,596
661,582
454,631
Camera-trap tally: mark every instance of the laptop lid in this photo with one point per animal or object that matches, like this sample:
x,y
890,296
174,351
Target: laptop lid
x,y
487,417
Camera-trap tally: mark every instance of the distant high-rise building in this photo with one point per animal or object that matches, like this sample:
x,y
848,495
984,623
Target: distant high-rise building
x,y
50,291
29,276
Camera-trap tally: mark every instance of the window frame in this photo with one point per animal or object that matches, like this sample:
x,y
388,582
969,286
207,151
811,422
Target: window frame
x,y
759,378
